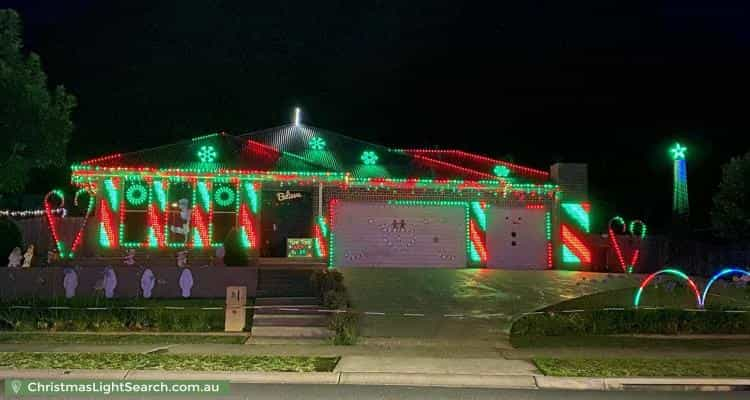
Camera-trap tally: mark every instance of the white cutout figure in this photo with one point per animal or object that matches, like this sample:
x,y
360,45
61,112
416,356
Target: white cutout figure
x,y
28,256
129,258
148,280
185,213
110,282
70,282
15,257
186,282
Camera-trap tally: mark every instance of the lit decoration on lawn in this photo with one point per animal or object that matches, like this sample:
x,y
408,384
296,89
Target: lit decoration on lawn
x,y
669,271
501,171
637,230
224,196
726,271
136,194
207,154
369,157
680,204
317,143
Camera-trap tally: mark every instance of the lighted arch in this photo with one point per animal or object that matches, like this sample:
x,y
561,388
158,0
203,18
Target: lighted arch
x,y
669,271
721,273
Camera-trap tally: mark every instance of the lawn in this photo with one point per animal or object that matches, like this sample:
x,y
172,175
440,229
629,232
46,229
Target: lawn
x,y
644,367
166,362
75,338
604,342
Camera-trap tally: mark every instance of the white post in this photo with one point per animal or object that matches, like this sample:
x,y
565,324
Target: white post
x,y
296,116
320,199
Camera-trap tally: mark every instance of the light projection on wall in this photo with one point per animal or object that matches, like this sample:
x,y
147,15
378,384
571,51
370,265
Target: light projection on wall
x,y
680,204
669,271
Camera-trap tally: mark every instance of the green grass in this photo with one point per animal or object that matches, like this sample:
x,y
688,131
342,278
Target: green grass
x,y
74,338
166,362
626,342
643,367
114,318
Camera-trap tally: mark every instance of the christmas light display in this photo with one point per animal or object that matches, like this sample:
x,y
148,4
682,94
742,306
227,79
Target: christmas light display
x,y
668,271
79,235
723,272
680,204
136,194
462,157
50,221
224,196
574,249
109,215
617,223
501,171
207,154
320,234
548,236
317,143
575,226
369,157
31,213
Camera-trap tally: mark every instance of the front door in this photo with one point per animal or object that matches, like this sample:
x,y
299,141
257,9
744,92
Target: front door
x,y
285,214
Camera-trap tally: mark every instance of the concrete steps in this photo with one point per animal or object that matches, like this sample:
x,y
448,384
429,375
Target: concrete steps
x,y
289,317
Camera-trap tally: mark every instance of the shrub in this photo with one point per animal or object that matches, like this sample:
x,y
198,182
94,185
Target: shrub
x,y
345,327
325,280
234,252
611,322
336,299
10,237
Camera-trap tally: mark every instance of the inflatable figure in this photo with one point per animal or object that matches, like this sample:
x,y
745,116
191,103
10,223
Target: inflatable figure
x,y
28,256
186,282
185,213
70,282
15,257
110,282
148,280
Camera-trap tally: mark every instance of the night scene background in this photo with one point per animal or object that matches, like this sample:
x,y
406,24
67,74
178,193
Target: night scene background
x,y
609,83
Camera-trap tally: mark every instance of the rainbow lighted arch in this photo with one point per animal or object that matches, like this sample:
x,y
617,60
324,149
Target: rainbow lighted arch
x,y
725,271
670,271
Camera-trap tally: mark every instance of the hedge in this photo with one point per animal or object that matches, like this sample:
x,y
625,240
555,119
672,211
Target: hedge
x,y
612,322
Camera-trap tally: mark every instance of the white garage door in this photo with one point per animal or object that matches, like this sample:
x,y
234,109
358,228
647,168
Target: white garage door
x,y
516,238
383,235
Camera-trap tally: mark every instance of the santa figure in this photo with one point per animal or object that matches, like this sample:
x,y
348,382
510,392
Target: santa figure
x,y
185,212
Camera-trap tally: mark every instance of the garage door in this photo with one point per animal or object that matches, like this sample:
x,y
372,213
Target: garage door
x,y
385,235
516,238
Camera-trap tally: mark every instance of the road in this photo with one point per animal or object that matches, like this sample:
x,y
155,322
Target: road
x,y
328,392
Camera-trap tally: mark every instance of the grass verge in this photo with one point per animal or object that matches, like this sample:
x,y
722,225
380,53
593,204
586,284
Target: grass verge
x,y
626,342
77,338
166,362
610,368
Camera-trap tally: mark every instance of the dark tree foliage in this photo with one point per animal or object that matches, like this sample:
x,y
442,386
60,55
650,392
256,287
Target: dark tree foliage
x,y
10,237
730,215
35,124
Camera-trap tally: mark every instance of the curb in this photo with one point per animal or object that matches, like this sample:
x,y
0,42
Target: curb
x,y
399,379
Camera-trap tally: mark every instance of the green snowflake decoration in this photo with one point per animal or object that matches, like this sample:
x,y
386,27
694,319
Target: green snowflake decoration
x,y
369,157
207,154
317,143
678,151
136,194
501,171
224,196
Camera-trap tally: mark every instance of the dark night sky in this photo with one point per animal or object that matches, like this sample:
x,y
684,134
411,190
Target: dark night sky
x,y
610,83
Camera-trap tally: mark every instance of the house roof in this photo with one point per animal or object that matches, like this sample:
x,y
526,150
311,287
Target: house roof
x,y
304,148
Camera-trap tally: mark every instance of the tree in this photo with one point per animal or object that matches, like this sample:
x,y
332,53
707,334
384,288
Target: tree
x,y
35,123
730,215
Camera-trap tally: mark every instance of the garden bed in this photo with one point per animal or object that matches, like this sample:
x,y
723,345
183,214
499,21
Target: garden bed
x,y
114,315
610,368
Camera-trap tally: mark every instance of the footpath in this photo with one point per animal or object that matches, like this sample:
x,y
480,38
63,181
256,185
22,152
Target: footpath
x,y
409,362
